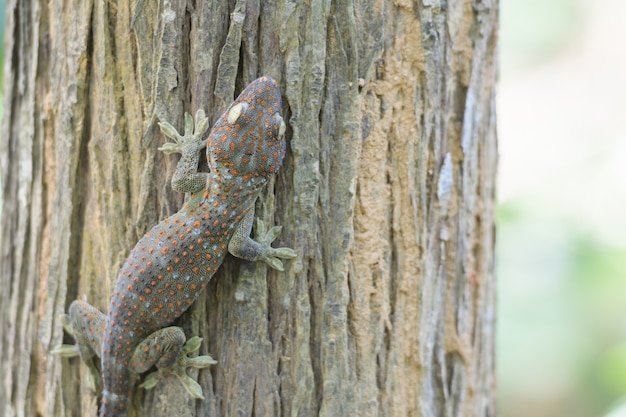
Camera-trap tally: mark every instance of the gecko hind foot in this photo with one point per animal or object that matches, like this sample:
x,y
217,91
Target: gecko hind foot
x,y
192,137
179,368
72,351
63,350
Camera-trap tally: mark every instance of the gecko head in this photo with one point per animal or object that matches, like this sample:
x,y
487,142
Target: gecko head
x,y
247,143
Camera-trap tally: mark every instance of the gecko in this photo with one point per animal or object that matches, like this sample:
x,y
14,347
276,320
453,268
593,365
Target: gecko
x,y
172,263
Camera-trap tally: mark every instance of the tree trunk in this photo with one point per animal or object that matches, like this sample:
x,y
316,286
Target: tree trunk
x,y
386,194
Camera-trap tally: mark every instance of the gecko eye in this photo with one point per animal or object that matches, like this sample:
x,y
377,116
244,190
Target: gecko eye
x,y
236,111
281,127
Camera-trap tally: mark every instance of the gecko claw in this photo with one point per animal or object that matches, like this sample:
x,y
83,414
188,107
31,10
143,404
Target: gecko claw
x,y
65,351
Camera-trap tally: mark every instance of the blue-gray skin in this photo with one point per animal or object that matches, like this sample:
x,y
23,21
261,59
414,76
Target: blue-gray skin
x,y
168,268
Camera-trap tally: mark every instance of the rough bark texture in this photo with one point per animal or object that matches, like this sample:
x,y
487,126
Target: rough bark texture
x,y
387,195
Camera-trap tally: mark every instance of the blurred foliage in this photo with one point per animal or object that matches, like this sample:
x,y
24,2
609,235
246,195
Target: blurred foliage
x,y
562,317
561,284
534,31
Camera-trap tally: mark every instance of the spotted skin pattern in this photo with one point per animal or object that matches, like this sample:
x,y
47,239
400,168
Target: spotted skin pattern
x,y
173,262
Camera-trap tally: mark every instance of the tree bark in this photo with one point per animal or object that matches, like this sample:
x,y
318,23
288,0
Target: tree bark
x,y
386,194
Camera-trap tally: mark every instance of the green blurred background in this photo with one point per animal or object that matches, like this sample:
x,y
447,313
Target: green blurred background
x,y
561,246
561,243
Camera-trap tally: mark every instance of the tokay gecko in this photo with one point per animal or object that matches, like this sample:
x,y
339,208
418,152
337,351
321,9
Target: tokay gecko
x,y
173,262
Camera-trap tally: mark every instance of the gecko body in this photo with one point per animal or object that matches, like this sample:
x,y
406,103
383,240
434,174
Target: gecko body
x,y
172,263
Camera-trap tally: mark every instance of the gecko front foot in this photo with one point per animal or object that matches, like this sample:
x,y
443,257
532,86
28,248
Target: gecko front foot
x,y
179,368
191,140
271,256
